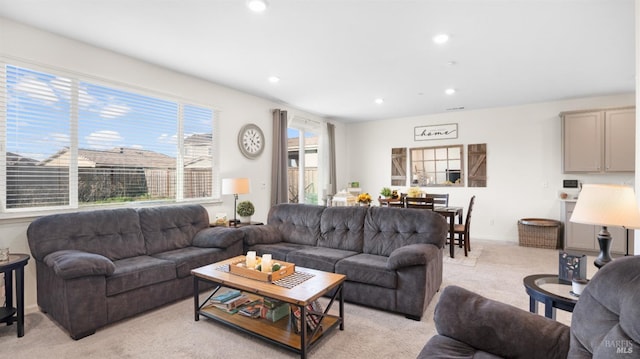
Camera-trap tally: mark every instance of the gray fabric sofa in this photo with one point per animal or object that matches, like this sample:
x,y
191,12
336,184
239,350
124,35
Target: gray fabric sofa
x,y
97,267
605,323
392,257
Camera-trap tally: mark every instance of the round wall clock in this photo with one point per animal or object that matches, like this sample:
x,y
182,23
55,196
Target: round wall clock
x,y
251,141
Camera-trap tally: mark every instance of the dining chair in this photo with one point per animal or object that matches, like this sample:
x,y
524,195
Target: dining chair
x,y
439,199
419,202
398,202
462,230
390,202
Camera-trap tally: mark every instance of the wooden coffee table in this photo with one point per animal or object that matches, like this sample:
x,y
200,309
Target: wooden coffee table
x,y
300,295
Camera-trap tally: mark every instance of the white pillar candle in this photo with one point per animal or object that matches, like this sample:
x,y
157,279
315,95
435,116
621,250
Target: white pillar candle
x,y
251,259
266,263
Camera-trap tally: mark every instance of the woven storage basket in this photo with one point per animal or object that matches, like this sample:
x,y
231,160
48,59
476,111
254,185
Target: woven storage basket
x,y
539,233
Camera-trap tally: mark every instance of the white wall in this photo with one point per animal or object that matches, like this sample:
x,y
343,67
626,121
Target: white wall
x,y
524,160
237,108
637,232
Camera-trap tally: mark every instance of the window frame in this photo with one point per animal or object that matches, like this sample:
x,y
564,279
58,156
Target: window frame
x,y
448,160
73,205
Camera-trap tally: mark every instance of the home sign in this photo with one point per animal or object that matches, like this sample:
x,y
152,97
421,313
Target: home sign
x,y
436,132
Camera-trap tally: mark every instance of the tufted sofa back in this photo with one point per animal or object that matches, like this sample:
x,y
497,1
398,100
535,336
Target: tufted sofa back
x,y
113,233
606,321
118,233
171,227
342,228
297,223
388,228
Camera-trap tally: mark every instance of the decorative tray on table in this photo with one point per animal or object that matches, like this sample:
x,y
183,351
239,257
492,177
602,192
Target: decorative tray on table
x,y
238,267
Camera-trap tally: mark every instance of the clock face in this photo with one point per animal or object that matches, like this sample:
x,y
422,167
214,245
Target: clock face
x,y
251,141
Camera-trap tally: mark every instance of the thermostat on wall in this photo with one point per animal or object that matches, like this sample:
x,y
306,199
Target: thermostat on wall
x,y
570,183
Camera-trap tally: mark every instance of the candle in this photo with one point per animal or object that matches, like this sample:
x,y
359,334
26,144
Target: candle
x,y
251,259
266,263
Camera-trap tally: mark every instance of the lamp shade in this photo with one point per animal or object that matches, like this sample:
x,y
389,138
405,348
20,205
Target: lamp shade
x,y
235,186
607,205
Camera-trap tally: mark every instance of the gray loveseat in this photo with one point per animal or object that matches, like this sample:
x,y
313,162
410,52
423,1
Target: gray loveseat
x,y
392,257
98,267
605,323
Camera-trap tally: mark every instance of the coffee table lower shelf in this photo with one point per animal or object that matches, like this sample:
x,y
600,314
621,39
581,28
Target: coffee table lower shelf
x,y
279,332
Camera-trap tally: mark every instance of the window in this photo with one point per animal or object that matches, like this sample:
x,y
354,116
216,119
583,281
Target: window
x,y
437,166
303,141
70,143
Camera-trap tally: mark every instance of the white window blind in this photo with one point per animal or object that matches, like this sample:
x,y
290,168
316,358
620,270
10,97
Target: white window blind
x,y
197,147
38,126
71,143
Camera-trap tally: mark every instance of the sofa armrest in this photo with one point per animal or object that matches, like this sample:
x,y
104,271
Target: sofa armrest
x,y
411,255
264,234
69,264
216,237
498,328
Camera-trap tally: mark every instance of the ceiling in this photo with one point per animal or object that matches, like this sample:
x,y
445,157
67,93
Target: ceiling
x,y
335,57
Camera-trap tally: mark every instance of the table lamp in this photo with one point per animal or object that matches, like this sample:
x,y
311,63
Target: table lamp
x,y
606,205
235,186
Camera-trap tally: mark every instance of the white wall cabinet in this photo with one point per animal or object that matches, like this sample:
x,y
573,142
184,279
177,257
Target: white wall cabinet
x,y
599,141
583,237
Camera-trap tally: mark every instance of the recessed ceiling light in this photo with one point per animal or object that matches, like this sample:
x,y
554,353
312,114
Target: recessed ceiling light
x,y
450,91
441,38
274,79
379,101
257,5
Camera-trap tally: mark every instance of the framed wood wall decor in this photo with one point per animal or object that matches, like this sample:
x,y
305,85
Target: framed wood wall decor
x,y
436,132
398,166
477,159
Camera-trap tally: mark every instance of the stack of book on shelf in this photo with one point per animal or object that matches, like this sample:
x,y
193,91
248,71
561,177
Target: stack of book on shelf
x,y
230,301
251,309
274,310
312,320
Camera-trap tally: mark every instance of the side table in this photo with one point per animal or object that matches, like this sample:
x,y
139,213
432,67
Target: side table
x,y
547,289
8,313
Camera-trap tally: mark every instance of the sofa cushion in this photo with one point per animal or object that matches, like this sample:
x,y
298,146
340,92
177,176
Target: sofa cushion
x,y
605,322
260,235
137,272
319,258
217,237
171,227
342,228
388,228
278,251
188,258
368,269
297,223
113,233
499,328
440,346
69,264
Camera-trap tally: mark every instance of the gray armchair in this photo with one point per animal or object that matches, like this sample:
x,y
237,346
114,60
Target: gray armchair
x,y
605,323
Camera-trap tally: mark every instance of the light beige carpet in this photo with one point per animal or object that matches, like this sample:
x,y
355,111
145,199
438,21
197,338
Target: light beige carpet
x,y
459,258
171,332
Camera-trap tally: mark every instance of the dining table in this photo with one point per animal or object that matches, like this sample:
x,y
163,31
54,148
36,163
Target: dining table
x,y
450,213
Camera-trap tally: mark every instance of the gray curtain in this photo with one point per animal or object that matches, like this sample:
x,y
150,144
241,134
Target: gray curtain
x,y
279,183
331,132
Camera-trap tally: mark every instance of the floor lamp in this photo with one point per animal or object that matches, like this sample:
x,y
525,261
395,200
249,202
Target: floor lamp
x,y
606,205
235,186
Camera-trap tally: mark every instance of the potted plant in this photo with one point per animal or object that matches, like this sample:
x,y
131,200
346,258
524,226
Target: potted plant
x,y
385,192
245,210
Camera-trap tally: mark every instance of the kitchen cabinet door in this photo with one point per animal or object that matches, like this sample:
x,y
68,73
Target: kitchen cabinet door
x,y
583,137
620,137
599,141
